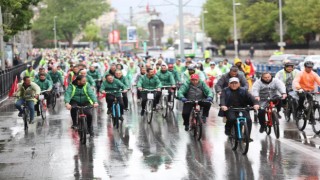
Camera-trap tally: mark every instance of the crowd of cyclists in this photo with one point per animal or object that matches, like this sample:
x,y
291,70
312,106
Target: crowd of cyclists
x,y
85,76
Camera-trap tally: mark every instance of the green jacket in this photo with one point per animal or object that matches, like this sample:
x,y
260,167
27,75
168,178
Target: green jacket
x,y
90,80
44,85
95,75
80,95
184,90
179,69
149,83
166,78
28,93
56,77
47,77
124,81
176,75
116,85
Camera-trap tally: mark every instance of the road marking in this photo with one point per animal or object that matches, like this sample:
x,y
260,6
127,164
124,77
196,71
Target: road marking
x,y
300,148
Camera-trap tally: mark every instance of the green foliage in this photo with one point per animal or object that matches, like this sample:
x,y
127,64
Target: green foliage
x,y
170,41
17,15
92,33
72,16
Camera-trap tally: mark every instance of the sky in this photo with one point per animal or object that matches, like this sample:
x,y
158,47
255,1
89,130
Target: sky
x,y
168,13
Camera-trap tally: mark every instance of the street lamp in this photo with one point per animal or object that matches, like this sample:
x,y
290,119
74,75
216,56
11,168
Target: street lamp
x,y
281,43
55,31
203,31
154,36
234,4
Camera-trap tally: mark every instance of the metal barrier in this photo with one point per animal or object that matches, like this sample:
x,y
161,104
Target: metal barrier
x,y
7,78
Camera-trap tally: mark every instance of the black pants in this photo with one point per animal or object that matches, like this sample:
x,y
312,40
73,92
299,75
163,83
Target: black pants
x,y
110,99
98,85
138,94
144,98
302,97
187,108
125,100
232,118
87,112
47,97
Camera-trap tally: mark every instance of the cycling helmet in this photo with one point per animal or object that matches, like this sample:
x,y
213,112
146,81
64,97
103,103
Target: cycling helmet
x,y
170,65
212,63
308,64
287,63
192,67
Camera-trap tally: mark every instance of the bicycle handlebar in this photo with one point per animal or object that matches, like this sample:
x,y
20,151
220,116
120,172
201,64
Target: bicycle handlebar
x,y
196,101
241,109
82,107
148,90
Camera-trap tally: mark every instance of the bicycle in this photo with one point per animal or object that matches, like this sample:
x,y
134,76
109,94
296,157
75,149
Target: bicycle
x,y
289,107
165,105
196,118
54,93
115,113
43,105
311,112
25,114
149,106
239,131
82,122
272,116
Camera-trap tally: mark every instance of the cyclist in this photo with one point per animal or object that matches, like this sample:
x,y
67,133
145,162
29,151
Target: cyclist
x,y
213,71
237,97
222,68
111,84
137,77
149,82
73,74
79,93
42,71
90,80
243,69
124,80
227,64
57,79
175,73
45,85
178,67
111,71
305,81
166,78
27,92
266,87
195,89
95,74
223,82
207,63
28,72
192,70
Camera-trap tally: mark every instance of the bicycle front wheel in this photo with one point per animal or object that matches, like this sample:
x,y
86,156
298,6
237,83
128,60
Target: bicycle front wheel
x,y
301,121
244,141
316,120
198,129
268,127
54,100
149,112
233,138
275,121
43,111
82,130
171,103
116,116
26,118
165,106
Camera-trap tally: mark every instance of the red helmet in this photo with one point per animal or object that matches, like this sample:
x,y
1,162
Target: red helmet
x,y
170,65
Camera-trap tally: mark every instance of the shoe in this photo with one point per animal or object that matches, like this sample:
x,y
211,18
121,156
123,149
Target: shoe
x,y
204,119
31,121
227,132
262,128
74,127
121,118
279,116
142,112
250,140
126,109
38,113
91,133
20,114
109,111
312,122
186,127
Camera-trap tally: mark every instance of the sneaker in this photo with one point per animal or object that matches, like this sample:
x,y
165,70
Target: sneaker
x,y
250,140
262,128
109,111
126,109
204,119
121,118
227,132
91,133
142,112
74,127
186,127
279,116
38,113
20,114
31,121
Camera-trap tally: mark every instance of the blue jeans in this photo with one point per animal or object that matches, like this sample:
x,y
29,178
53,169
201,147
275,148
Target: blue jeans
x,y
30,105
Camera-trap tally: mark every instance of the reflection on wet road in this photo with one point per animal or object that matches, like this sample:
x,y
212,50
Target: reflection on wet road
x,y
160,150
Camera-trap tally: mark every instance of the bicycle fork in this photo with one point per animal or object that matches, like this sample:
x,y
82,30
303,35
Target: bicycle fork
x,y
239,120
114,106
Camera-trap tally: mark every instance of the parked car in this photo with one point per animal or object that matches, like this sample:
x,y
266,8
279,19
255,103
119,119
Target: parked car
x,y
313,58
297,59
278,59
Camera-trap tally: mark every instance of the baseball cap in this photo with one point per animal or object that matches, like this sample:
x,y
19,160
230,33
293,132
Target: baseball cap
x,y
194,76
234,79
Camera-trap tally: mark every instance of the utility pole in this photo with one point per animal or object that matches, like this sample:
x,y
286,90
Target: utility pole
x,y
181,29
154,36
281,43
235,29
55,31
3,63
131,16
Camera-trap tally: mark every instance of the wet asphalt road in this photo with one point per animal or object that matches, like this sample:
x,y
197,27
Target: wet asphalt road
x,y
162,150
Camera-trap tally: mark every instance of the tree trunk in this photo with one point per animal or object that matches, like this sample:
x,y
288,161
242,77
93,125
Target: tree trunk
x,y
69,38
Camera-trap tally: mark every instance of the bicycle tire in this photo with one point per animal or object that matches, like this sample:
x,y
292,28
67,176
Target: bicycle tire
x,y
288,111
171,107
198,129
83,130
316,120
300,120
275,121
116,116
43,112
25,118
149,111
165,107
233,138
245,140
54,100
255,116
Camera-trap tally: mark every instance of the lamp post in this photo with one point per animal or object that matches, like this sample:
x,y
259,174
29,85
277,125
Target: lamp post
x,y
154,36
55,31
203,30
281,43
234,4
3,63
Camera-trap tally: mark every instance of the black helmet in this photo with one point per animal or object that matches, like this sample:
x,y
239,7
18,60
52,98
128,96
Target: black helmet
x,y
308,64
287,63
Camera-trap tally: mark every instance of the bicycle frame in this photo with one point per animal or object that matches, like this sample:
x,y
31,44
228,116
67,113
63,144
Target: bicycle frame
x,y
240,119
270,107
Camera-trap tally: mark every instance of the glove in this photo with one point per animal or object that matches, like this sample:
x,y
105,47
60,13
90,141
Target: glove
x,y
184,99
300,90
209,99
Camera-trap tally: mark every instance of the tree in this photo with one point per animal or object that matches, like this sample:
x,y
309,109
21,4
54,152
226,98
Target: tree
x,y
170,41
92,33
17,15
72,16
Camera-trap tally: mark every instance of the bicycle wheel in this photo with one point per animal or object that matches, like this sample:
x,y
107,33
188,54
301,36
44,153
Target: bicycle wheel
x,y
255,116
116,116
244,141
43,110
301,121
149,112
233,138
275,122
268,127
82,130
54,99
165,106
288,111
171,103
25,117
316,120
198,129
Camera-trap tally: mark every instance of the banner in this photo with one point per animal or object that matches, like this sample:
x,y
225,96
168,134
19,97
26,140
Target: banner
x,y
131,34
114,37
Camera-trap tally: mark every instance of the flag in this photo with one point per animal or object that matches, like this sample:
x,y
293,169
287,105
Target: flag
x,y
65,82
14,87
147,8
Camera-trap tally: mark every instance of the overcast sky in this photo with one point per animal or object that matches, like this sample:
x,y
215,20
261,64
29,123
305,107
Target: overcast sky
x,y
168,12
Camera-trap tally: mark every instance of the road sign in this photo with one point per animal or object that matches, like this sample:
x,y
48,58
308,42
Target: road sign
x,y
281,44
